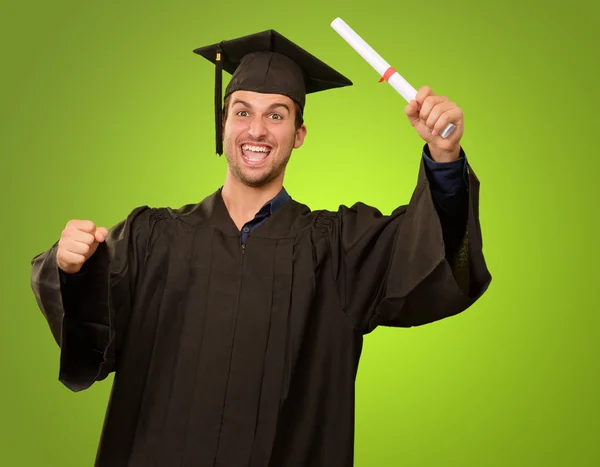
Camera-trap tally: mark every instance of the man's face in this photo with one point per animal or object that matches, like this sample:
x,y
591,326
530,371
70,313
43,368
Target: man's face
x,y
259,136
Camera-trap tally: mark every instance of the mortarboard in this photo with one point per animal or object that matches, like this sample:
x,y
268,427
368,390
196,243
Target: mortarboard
x,y
270,63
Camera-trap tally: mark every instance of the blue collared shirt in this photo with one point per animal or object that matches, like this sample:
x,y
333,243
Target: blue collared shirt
x,y
264,213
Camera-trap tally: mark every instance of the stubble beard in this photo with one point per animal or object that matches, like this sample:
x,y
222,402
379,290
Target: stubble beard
x,y
276,164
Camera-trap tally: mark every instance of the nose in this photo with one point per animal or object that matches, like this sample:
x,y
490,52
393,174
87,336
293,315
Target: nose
x,y
258,128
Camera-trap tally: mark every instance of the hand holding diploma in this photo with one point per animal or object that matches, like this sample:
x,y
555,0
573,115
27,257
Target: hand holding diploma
x,y
429,115
437,120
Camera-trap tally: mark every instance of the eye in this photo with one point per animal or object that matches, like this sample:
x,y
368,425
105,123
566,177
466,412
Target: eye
x,y
276,116
245,113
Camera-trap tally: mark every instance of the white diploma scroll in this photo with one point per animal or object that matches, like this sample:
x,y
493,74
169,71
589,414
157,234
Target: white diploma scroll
x,y
380,65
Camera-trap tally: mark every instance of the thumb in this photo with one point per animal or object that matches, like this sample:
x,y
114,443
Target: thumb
x,y
412,112
101,234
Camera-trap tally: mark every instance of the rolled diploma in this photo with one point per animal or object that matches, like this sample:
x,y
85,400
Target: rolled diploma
x,y
379,64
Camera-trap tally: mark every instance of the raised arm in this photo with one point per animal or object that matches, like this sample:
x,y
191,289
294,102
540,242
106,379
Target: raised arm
x,y
84,286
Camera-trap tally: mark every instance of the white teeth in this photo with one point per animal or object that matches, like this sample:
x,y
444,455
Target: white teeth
x,y
262,150
247,147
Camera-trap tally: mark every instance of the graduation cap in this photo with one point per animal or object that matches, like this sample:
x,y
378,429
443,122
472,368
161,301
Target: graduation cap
x,y
270,63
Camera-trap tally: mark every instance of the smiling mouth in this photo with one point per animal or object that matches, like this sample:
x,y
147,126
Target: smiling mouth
x,y
255,154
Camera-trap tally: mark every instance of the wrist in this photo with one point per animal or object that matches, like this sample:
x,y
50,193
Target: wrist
x,y
443,155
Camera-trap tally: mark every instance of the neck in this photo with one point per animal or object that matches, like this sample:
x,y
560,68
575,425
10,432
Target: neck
x,y
243,201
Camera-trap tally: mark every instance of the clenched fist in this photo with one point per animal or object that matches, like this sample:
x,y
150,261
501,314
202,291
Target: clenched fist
x,y
79,241
429,114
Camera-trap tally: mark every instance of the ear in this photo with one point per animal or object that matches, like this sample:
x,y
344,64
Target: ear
x,y
300,135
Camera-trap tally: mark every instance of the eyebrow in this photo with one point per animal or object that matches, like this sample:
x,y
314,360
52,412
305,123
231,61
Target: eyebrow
x,y
271,107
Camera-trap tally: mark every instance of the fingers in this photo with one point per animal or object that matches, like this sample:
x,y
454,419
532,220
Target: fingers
x,y
86,231
101,234
412,112
453,115
79,241
422,94
69,261
443,109
435,112
80,236
73,246
433,106
84,226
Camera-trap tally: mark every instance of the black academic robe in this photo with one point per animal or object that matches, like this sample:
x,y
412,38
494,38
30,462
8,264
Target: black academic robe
x,y
246,357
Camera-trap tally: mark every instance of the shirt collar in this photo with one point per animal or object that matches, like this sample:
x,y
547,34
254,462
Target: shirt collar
x,y
279,200
271,206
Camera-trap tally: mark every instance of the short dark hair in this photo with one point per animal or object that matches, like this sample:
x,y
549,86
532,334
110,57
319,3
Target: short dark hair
x,y
299,120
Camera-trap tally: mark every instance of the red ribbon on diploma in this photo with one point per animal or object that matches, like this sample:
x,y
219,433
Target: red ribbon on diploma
x,y
388,73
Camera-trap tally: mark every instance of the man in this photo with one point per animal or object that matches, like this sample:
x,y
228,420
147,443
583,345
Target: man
x,y
234,326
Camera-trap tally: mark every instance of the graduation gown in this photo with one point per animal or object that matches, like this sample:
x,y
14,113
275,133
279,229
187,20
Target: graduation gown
x,y
231,356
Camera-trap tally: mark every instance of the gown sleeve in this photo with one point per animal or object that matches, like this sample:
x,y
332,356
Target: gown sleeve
x,y
398,270
87,312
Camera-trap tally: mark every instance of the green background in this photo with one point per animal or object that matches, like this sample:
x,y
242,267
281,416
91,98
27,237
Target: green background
x,y
105,107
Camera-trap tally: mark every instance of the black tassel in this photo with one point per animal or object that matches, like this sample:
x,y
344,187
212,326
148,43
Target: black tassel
x,y
218,99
